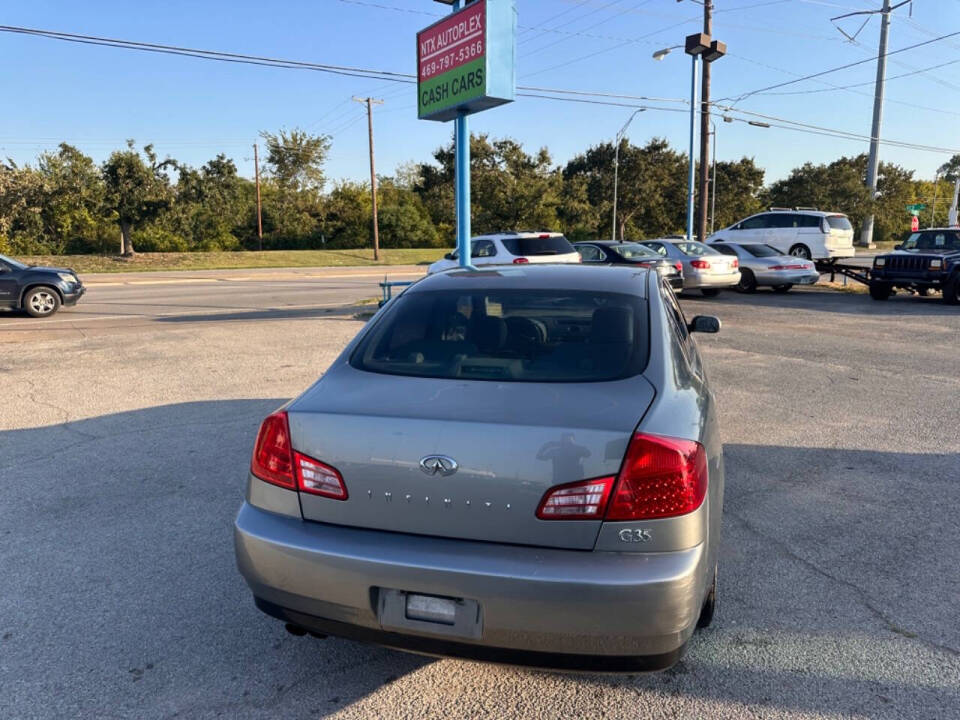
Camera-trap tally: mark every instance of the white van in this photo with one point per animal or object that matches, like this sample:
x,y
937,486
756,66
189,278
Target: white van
x,y
516,248
802,232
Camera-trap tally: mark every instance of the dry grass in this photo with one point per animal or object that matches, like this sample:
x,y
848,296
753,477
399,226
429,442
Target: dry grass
x,y
145,262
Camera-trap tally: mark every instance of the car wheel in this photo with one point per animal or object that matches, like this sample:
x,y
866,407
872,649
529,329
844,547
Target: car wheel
x,y
710,292
951,291
709,605
880,290
801,251
748,282
41,302
782,288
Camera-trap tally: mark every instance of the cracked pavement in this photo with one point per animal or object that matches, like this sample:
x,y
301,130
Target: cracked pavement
x,y
123,451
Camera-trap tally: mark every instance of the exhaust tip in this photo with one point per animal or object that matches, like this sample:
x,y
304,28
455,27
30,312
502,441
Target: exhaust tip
x,y
295,630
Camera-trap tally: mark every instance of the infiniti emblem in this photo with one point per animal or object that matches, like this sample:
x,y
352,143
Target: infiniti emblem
x,y
438,465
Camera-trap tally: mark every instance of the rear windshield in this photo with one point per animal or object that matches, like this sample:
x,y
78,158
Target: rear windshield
x,y
629,251
514,335
550,245
933,240
839,222
695,249
762,250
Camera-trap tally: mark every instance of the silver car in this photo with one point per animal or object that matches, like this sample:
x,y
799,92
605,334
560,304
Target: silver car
x,y
764,265
704,268
517,465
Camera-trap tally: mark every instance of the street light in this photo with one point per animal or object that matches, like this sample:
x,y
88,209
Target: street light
x,y
616,167
695,46
661,54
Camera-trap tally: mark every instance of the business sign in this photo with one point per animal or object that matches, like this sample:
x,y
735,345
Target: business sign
x,y
466,62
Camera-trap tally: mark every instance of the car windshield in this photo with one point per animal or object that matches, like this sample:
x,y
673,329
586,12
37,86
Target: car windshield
x,y
933,240
13,263
695,249
538,245
629,251
839,222
509,335
761,250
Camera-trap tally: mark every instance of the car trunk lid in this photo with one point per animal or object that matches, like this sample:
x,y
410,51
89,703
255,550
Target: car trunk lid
x,y
511,442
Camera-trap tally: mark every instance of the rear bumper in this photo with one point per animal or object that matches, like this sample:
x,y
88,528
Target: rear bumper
x,y
784,277
534,602
710,280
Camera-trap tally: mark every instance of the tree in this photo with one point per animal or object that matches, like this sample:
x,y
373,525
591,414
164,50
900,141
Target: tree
x,y
295,159
739,191
213,205
510,188
72,203
137,189
651,191
950,170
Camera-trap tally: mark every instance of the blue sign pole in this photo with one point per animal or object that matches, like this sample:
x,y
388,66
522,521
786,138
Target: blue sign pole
x,y
462,180
693,135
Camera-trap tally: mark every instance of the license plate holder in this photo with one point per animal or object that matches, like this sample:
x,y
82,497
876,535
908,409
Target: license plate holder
x,y
424,613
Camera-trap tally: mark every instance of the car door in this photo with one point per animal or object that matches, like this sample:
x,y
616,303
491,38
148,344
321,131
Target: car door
x,y
9,285
781,230
752,229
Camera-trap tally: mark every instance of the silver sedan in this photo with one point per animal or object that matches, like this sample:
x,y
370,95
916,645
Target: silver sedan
x,y
763,265
517,465
704,268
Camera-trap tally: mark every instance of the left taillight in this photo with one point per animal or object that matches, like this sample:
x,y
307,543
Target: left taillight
x,y
700,264
275,461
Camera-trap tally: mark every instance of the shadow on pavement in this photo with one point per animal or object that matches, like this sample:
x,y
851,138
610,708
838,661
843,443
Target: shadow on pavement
x,y
824,300
838,582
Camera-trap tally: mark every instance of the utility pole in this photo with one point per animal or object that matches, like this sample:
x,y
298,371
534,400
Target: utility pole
x,y
256,173
370,102
873,163
705,128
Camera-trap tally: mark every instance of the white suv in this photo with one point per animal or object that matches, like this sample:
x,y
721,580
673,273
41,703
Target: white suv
x,y
514,248
803,232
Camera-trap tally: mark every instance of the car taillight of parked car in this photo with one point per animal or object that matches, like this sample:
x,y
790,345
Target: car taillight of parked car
x,y
276,462
520,261
700,264
660,477
678,266
799,266
735,264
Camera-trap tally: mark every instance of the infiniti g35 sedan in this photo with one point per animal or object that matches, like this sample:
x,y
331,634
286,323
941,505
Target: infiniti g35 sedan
x,y
518,465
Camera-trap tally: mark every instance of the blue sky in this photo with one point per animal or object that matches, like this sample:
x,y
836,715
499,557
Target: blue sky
x,y
191,109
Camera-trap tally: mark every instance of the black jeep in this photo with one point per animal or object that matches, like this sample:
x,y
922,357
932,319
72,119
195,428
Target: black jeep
x,y
927,260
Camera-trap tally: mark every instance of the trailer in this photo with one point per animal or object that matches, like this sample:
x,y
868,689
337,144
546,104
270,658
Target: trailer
x,y
848,267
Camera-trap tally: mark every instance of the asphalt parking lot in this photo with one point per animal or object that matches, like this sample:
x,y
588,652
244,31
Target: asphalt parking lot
x,y
124,443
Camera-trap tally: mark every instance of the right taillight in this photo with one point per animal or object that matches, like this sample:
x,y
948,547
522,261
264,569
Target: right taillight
x,y
273,455
661,477
700,264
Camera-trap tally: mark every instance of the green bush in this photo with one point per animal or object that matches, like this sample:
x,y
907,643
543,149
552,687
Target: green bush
x,y
155,239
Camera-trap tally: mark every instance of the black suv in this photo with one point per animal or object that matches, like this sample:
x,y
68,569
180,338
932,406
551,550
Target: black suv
x,y
39,291
927,260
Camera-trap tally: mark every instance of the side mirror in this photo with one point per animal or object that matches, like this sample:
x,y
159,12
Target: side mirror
x,y
449,256
898,247
704,324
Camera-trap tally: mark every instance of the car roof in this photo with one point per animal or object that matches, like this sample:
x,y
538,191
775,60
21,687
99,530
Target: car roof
x,y
518,234
539,276
608,243
798,211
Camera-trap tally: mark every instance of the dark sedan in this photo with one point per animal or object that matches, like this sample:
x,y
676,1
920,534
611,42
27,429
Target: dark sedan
x,y
610,252
38,291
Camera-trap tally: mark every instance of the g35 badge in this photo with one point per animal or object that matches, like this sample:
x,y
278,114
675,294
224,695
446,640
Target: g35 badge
x,y
634,536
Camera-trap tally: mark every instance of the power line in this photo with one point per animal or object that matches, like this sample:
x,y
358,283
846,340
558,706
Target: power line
x,y
812,76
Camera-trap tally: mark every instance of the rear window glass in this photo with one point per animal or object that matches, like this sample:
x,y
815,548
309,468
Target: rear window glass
x,y
515,335
839,222
629,251
695,249
550,245
762,250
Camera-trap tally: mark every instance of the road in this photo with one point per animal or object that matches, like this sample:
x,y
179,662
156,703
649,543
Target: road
x,y
124,444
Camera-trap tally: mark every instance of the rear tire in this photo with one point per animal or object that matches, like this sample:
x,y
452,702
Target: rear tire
x,y
951,291
801,251
782,288
710,292
748,282
709,605
881,290
41,302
